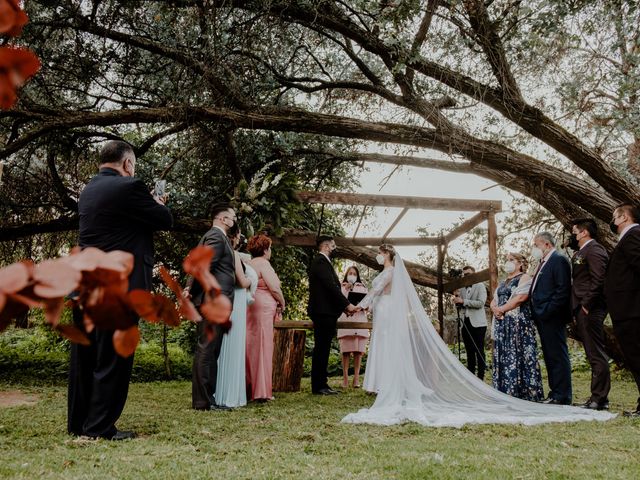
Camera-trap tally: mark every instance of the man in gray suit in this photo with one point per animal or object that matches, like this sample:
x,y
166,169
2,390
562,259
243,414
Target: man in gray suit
x,y
205,360
471,301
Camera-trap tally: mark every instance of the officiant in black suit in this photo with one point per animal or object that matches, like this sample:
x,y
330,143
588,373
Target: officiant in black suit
x,y
550,297
117,212
589,266
326,304
205,360
622,289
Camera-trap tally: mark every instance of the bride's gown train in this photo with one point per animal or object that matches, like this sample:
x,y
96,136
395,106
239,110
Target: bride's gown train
x,y
418,379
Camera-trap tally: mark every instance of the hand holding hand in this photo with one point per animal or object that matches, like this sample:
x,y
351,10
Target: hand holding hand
x,y
347,286
351,309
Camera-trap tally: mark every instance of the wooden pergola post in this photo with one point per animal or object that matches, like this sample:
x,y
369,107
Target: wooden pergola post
x,y
493,253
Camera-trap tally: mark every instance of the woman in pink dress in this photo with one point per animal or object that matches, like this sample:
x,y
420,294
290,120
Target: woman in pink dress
x,y
262,313
352,341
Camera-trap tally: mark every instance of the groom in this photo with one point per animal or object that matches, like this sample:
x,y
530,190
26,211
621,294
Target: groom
x,y
326,303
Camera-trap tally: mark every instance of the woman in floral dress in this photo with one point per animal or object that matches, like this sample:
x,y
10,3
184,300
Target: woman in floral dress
x,y
516,371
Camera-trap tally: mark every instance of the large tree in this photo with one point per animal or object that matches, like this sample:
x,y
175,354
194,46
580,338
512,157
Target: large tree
x,y
209,89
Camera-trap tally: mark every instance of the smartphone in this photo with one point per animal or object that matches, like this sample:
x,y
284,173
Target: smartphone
x,y
160,188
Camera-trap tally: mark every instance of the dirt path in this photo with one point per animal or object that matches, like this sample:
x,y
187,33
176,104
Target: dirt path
x,y
16,398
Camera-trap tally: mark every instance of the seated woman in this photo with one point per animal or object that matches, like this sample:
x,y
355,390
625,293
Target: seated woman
x,y
262,313
516,371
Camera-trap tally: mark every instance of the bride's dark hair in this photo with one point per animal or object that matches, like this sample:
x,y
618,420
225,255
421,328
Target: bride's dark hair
x,y
388,248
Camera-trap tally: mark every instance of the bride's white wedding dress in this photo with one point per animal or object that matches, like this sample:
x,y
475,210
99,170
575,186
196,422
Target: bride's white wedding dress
x,y
418,379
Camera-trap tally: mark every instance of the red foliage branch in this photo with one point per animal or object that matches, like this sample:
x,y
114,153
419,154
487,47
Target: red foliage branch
x,y
17,65
97,283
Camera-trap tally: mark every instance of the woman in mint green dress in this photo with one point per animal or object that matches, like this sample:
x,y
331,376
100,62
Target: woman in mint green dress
x,y
231,386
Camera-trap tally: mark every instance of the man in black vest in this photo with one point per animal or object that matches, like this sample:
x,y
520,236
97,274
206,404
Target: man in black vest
x,y
205,360
622,289
117,212
589,266
326,304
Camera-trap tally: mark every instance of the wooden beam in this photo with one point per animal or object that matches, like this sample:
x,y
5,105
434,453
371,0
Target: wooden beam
x,y
465,226
307,239
306,324
454,284
395,222
424,203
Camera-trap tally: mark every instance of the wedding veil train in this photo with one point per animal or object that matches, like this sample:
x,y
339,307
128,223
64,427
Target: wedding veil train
x,y
423,382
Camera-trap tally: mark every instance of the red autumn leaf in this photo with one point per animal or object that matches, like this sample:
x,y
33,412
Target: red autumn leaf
x,y
108,308
17,65
55,279
197,265
52,310
84,260
27,297
12,18
186,308
11,310
15,277
154,307
126,341
73,334
216,310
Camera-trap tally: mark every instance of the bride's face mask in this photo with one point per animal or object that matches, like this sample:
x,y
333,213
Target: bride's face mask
x,y
380,259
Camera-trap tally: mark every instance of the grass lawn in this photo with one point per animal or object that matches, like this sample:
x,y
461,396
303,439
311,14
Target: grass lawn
x,y
300,436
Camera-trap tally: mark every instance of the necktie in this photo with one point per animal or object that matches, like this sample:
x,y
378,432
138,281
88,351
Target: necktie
x,y
535,277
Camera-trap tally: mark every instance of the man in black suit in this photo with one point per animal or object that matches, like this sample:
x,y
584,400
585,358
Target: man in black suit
x,y
117,212
551,308
326,304
622,289
205,360
589,266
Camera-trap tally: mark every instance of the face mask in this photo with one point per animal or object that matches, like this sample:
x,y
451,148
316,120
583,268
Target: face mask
x,y
509,267
573,242
537,253
380,259
352,279
613,226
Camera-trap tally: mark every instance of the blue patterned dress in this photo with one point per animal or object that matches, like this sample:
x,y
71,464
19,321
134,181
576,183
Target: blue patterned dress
x,y
516,371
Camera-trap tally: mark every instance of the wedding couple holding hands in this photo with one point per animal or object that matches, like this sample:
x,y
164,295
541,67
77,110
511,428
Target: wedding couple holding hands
x,y
409,367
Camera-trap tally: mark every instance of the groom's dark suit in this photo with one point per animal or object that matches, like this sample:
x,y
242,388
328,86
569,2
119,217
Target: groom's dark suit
x,y
205,360
116,213
326,303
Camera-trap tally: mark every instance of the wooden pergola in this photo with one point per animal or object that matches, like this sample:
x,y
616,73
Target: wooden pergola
x,y
486,211
289,340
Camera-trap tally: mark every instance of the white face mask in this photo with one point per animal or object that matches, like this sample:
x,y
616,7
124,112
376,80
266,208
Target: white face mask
x,y
510,267
380,259
352,279
537,253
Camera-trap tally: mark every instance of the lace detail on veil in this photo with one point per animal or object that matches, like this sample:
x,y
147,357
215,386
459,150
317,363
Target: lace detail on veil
x,y
422,381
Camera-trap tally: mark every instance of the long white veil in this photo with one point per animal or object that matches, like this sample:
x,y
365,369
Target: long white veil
x,y
423,382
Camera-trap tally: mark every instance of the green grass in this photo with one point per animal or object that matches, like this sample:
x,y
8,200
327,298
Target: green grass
x,y
300,436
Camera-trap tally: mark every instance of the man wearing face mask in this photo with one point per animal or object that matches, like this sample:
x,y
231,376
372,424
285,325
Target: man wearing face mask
x,y
117,212
589,265
472,299
326,303
622,289
205,360
550,297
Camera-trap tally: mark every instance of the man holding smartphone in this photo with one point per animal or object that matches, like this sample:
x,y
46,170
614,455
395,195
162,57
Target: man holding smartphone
x,y
117,212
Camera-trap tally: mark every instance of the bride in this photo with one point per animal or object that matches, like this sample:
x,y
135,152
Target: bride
x,y
418,379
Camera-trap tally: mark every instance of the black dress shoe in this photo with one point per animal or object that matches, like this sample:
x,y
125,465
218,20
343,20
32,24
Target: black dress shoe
x,y
221,407
123,435
325,391
633,414
593,405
